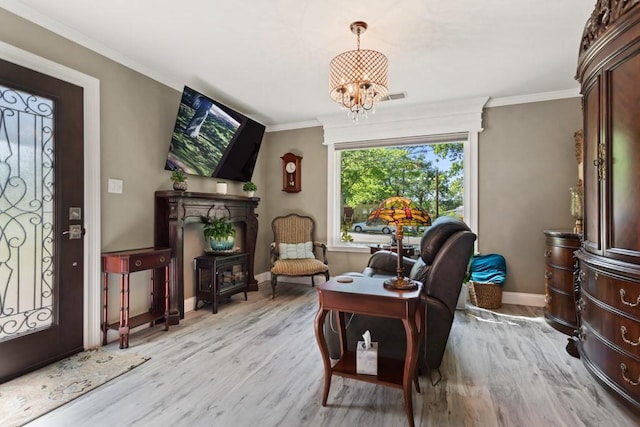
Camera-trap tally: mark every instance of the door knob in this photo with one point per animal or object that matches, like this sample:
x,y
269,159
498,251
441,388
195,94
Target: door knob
x,y
75,232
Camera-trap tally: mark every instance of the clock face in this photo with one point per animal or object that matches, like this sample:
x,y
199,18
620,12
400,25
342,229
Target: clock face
x,y
291,167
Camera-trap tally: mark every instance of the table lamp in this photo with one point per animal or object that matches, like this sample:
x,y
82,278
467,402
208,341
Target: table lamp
x,y
401,212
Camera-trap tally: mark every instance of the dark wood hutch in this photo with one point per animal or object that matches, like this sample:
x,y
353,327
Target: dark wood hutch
x,y
608,279
175,209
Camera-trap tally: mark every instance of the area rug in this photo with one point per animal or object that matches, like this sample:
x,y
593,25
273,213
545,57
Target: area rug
x,y
34,394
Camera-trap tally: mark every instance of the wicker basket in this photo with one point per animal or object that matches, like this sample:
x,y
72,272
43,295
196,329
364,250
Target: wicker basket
x,y
485,295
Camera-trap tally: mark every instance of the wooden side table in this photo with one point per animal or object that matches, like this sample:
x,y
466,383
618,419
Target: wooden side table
x,y
368,296
124,263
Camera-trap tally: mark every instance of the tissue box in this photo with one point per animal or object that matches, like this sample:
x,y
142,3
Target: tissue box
x,y
367,359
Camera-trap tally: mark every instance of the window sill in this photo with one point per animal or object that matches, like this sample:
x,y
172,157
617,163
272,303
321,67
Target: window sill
x,y
345,247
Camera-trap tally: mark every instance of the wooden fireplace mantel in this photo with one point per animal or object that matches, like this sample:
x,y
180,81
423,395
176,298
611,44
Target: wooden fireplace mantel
x,y
175,209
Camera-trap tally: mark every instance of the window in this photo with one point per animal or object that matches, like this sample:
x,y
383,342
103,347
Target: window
x,y
451,122
431,175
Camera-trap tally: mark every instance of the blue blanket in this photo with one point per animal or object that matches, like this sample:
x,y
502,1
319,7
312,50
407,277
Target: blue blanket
x,y
490,268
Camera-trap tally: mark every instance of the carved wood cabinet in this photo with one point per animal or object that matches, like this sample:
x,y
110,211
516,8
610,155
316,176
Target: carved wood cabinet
x,y
560,308
175,209
608,280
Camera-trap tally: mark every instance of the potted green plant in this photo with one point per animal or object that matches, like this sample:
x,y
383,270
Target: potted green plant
x,y
249,188
179,179
345,236
220,232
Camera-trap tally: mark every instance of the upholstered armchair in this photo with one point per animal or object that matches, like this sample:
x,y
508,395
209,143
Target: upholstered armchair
x,y
293,250
445,250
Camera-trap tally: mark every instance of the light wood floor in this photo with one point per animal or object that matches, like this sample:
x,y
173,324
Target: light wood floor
x,y
256,363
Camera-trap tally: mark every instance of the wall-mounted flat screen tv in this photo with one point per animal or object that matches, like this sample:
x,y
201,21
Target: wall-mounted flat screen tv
x,y
211,139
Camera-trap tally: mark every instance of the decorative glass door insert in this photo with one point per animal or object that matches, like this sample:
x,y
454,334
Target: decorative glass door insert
x,y
27,288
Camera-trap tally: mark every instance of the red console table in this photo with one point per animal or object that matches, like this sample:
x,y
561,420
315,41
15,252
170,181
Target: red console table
x,y
175,209
124,263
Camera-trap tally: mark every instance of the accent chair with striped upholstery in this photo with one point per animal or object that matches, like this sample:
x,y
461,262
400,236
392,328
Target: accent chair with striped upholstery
x,y
294,250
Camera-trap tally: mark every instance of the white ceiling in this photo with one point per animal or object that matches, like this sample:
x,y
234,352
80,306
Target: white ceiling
x,y
269,58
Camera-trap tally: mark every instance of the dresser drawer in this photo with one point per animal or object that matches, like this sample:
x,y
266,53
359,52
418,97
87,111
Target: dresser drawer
x,y
616,292
618,368
145,262
559,250
561,307
618,329
558,279
135,260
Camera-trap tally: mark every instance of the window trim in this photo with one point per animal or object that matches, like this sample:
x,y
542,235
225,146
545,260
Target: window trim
x,y
459,120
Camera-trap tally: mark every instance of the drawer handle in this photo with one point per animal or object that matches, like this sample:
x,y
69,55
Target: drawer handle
x,y
162,259
138,263
582,333
548,274
624,370
630,304
623,332
547,253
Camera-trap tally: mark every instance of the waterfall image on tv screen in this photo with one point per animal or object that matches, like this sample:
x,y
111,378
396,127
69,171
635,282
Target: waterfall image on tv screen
x,y
202,133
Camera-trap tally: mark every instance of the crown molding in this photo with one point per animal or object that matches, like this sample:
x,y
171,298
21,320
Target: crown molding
x,y
493,102
295,125
535,97
408,121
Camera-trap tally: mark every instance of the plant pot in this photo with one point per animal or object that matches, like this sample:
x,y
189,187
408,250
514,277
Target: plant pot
x,y
221,187
180,186
249,193
222,244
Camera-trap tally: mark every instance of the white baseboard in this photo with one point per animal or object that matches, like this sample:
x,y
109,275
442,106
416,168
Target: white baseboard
x,y
113,335
189,304
266,277
520,298
263,277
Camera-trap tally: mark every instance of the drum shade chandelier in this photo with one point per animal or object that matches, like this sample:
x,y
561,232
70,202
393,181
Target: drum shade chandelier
x,y
358,79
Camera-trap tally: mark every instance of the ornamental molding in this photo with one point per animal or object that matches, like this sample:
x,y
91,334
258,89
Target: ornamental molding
x,y
605,14
452,117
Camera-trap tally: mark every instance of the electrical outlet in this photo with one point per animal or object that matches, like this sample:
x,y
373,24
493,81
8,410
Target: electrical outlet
x,y
115,186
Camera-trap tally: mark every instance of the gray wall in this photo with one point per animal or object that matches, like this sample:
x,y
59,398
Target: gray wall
x,y
311,201
136,119
526,164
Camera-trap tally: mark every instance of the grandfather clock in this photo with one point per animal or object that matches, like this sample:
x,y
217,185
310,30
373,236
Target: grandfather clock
x,y
291,173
